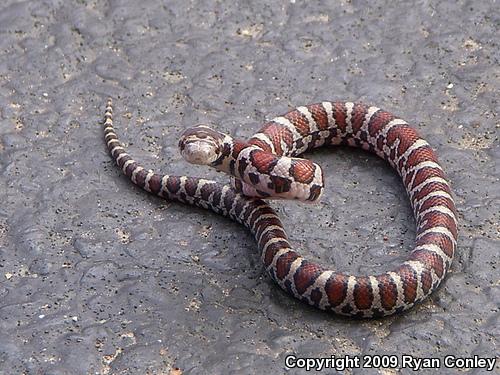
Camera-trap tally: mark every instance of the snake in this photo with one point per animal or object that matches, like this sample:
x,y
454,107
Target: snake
x,y
268,166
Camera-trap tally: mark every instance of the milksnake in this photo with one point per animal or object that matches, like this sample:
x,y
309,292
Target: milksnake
x,y
267,166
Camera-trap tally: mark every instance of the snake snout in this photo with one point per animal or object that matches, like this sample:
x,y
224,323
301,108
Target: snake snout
x,y
200,145
199,152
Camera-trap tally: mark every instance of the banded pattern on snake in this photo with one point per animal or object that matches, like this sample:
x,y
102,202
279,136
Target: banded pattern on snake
x,y
267,166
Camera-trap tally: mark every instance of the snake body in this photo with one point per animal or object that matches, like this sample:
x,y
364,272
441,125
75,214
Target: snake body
x,y
267,166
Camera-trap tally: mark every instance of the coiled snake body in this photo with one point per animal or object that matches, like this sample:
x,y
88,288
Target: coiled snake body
x,y
267,166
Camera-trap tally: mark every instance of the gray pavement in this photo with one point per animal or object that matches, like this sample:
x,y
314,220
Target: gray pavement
x,y
98,277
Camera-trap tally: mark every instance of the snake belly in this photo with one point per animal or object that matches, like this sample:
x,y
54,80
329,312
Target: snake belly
x,y
302,129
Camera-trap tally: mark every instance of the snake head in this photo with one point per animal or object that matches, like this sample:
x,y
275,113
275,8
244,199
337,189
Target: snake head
x,y
201,145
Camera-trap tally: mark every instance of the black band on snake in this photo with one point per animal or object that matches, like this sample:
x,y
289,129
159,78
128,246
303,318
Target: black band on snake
x,y
267,166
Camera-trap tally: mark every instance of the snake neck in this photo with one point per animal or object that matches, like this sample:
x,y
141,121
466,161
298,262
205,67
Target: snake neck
x,y
229,151
258,173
